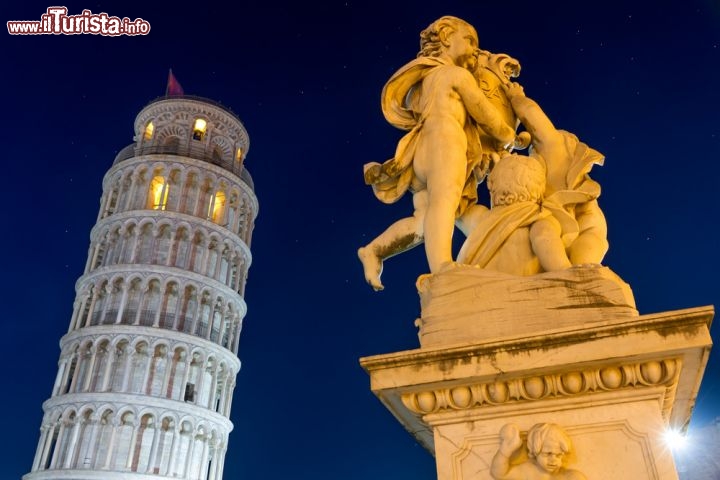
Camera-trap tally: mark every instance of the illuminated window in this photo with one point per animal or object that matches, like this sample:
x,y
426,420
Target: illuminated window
x,y
199,129
238,154
149,129
217,207
159,189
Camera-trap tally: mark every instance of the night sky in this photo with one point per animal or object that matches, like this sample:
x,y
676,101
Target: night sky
x,y
638,81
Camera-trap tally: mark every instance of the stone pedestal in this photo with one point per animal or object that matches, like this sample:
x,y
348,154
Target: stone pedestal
x,y
614,383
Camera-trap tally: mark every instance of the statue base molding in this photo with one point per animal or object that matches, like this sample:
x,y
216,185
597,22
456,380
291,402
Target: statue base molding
x,y
466,304
614,384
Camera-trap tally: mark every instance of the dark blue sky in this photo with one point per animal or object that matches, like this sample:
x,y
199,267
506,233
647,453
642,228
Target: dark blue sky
x,y
637,81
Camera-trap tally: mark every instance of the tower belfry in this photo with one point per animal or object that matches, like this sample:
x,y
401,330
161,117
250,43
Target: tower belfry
x,y
148,365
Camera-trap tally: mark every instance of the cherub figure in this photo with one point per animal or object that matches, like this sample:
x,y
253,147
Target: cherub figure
x,y
518,235
547,447
437,98
568,186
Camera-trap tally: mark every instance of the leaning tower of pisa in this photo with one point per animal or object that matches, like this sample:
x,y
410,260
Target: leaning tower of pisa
x,y
148,365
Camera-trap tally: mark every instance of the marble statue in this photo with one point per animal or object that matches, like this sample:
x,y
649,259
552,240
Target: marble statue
x,y
568,162
526,322
549,230
436,98
517,235
547,448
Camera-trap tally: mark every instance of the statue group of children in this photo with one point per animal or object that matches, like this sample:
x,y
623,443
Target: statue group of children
x,y
544,214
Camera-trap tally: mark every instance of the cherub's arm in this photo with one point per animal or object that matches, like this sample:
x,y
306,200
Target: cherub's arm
x,y
532,117
500,468
480,108
510,441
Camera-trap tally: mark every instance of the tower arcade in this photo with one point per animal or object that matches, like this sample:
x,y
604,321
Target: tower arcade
x,y
148,365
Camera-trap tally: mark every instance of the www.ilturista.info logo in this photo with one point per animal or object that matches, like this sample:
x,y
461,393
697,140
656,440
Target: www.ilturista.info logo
x,y
56,21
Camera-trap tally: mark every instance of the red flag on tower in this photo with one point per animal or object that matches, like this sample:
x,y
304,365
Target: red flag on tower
x,y
173,86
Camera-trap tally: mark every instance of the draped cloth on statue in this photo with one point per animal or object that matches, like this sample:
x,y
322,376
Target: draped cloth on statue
x,y
582,160
391,179
495,227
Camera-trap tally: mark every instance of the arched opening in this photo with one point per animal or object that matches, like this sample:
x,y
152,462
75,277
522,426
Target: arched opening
x,y
199,129
149,130
216,209
158,193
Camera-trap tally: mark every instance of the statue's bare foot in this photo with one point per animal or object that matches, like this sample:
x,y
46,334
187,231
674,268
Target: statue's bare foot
x,y
372,266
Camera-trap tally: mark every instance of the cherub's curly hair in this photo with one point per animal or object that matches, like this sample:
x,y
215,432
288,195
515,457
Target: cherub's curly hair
x,y
516,178
541,432
430,45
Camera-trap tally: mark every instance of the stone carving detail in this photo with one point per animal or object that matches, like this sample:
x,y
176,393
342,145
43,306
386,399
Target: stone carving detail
x,y
544,215
166,112
433,97
647,374
548,446
169,131
224,144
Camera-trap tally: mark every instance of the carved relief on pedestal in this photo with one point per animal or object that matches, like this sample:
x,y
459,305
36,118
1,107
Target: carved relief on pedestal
x,y
524,389
544,458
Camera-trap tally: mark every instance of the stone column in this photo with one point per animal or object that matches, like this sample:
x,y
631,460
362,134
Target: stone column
x,y
201,381
142,298
40,447
198,313
169,371
152,457
58,445
229,400
80,356
115,425
169,469
76,304
190,452
72,443
109,290
213,384
91,310
204,457
109,364
148,368
129,353
131,449
89,370
92,446
123,302
186,373
62,367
